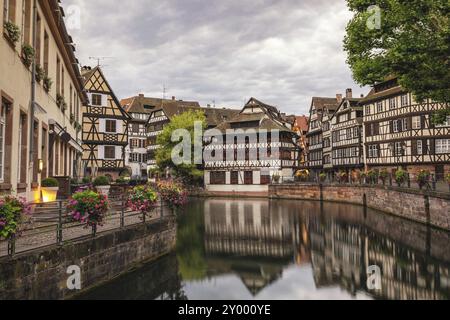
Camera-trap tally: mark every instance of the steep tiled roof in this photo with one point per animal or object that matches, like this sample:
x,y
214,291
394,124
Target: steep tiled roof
x,y
321,103
141,104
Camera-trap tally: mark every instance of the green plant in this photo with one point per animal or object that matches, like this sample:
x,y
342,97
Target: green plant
x,y
50,183
401,176
384,175
40,73
143,199
72,118
448,178
88,207
101,181
61,102
322,177
372,176
28,54
173,193
13,31
48,82
121,180
86,180
342,177
303,174
13,212
423,178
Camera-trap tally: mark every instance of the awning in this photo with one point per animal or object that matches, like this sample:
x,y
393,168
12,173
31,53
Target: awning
x,y
64,135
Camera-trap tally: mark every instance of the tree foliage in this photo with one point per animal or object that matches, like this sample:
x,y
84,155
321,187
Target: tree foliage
x,y
190,173
412,43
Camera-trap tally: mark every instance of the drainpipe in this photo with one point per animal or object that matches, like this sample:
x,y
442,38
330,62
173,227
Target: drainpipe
x,y
33,87
33,93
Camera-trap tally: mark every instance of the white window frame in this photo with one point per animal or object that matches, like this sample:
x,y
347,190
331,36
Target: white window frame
x,y
373,151
417,122
405,124
392,103
2,141
368,110
398,149
380,106
404,100
395,126
419,147
442,146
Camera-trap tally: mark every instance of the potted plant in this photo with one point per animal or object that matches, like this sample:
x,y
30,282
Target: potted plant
x,y
322,177
86,180
401,176
276,178
302,175
47,83
103,185
143,199
384,175
423,178
28,53
13,213
12,31
172,193
49,188
372,176
88,207
40,73
342,177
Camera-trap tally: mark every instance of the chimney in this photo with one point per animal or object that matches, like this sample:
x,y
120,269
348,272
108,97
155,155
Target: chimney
x,y
173,98
339,98
141,95
349,93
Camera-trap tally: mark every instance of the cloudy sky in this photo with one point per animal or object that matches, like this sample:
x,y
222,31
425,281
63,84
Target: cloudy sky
x,y
282,52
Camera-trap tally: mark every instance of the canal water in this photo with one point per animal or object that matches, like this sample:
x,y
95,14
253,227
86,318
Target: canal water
x,y
295,250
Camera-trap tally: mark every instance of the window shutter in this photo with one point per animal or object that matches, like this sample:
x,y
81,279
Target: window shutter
x,y
104,100
102,125
400,125
119,126
391,126
422,122
414,147
432,146
101,152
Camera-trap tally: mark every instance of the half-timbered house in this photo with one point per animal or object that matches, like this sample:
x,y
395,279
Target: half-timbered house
x,y
320,107
346,135
167,109
257,147
399,131
301,129
105,127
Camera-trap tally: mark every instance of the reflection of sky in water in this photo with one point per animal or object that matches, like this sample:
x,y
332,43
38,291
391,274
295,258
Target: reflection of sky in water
x,y
297,283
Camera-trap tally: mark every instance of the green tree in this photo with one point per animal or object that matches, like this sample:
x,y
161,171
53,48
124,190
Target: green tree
x,y
411,41
190,173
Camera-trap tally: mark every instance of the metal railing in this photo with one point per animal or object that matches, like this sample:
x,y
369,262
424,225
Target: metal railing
x,y
52,224
432,185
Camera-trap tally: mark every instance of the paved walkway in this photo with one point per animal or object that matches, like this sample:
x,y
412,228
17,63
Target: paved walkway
x,y
43,229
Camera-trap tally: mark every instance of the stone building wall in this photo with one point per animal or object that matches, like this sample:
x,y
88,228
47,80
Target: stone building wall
x,y
425,207
42,274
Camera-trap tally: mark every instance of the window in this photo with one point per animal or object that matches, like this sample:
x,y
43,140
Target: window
x,y
419,147
343,117
134,143
417,122
217,177
395,126
58,75
392,103
234,177
442,146
110,126
9,10
248,177
135,127
373,151
379,106
405,124
349,134
355,132
110,152
4,107
399,149
96,99
367,110
405,100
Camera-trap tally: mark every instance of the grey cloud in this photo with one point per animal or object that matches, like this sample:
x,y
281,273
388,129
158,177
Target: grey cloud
x,y
280,51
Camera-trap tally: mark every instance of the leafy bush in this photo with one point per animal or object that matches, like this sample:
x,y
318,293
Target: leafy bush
x,y
28,54
47,83
101,181
86,180
13,212
448,178
88,207
423,178
40,73
322,177
143,199
342,177
173,193
13,31
50,183
384,175
372,176
401,176
121,180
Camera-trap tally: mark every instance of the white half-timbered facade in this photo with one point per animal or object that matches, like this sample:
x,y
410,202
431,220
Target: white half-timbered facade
x,y
105,127
250,151
399,132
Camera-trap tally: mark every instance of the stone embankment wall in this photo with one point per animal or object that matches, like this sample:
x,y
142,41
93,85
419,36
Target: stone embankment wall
x,y
432,208
43,274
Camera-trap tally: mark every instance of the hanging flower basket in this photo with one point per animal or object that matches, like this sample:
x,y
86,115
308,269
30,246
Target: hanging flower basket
x,y
142,199
401,176
12,31
173,193
47,83
28,54
384,175
40,73
88,207
423,178
14,212
302,175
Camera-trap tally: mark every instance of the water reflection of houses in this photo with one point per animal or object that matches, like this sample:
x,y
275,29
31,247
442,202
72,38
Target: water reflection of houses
x,y
341,253
253,239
